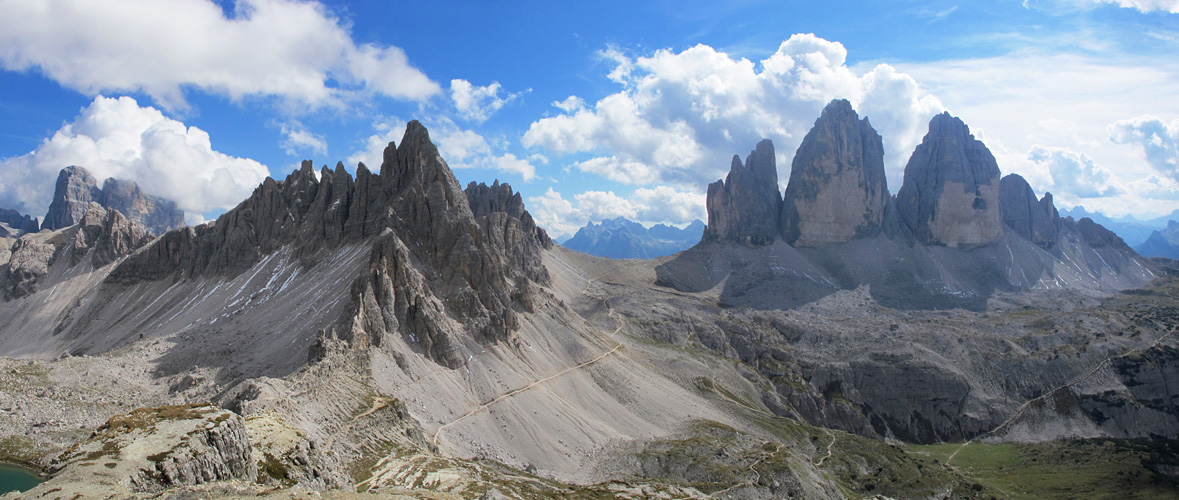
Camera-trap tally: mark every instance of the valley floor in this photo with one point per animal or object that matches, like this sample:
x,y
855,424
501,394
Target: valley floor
x,y
622,389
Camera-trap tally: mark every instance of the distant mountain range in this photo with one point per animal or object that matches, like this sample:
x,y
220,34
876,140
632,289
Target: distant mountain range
x,y
1162,243
621,238
1133,231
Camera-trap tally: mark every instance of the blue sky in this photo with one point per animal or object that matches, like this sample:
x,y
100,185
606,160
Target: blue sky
x,y
591,111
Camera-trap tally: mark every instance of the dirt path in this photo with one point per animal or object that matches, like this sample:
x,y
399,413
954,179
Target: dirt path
x,y
379,402
752,468
514,392
1022,408
830,446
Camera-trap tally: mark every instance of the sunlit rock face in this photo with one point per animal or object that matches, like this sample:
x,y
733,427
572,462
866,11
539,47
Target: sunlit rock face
x,y
837,190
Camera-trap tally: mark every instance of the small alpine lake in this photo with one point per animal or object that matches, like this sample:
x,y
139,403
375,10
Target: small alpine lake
x,y
17,478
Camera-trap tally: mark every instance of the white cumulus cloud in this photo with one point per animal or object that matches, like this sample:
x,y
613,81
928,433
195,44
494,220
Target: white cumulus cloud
x,y
475,103
1074,174
295,50
115,137
1158,140
679,117
1171,6
297,139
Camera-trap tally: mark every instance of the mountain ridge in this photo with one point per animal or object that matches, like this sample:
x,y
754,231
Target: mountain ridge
x,y
620,238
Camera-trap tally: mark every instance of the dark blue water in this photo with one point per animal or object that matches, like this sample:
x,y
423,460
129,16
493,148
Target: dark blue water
x,y
14,478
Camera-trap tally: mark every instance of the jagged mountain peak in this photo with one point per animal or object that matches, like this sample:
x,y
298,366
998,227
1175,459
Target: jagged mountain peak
x,y
950,194
438,271
837,190
744,206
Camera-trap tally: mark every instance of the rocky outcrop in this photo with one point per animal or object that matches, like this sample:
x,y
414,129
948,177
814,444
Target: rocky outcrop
x,y
153,449
76,189
102,236
1095,235
13,223
837,190
507,225
951,191
744,207
1037,221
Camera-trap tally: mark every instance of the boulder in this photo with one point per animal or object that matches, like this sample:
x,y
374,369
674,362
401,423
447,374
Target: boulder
x,y
837,190
744,207
950,195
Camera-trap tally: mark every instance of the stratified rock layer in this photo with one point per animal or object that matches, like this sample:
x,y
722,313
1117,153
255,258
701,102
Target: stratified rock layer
x,y
744,207
837,190
1037,221
951,191
76,189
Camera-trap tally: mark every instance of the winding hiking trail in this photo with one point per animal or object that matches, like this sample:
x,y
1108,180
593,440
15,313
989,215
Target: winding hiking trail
x,y
1022,408
752,468
513,392
379,402
830,447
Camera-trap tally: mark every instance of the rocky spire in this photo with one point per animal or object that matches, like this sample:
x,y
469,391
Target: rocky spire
x,y
744,207
837,189
74,191
1037,221
951,191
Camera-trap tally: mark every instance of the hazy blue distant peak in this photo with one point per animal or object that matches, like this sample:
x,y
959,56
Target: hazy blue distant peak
x,y
621,238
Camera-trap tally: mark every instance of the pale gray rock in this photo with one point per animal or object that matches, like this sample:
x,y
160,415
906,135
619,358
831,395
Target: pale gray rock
x,y
837,190
951,191
151,450
438,270
744,207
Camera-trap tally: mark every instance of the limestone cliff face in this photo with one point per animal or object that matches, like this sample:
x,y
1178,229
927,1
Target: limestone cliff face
x,y
149,450
439,271
158,215
507,225
837,190
1036,221
951,191
76,189
744,207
